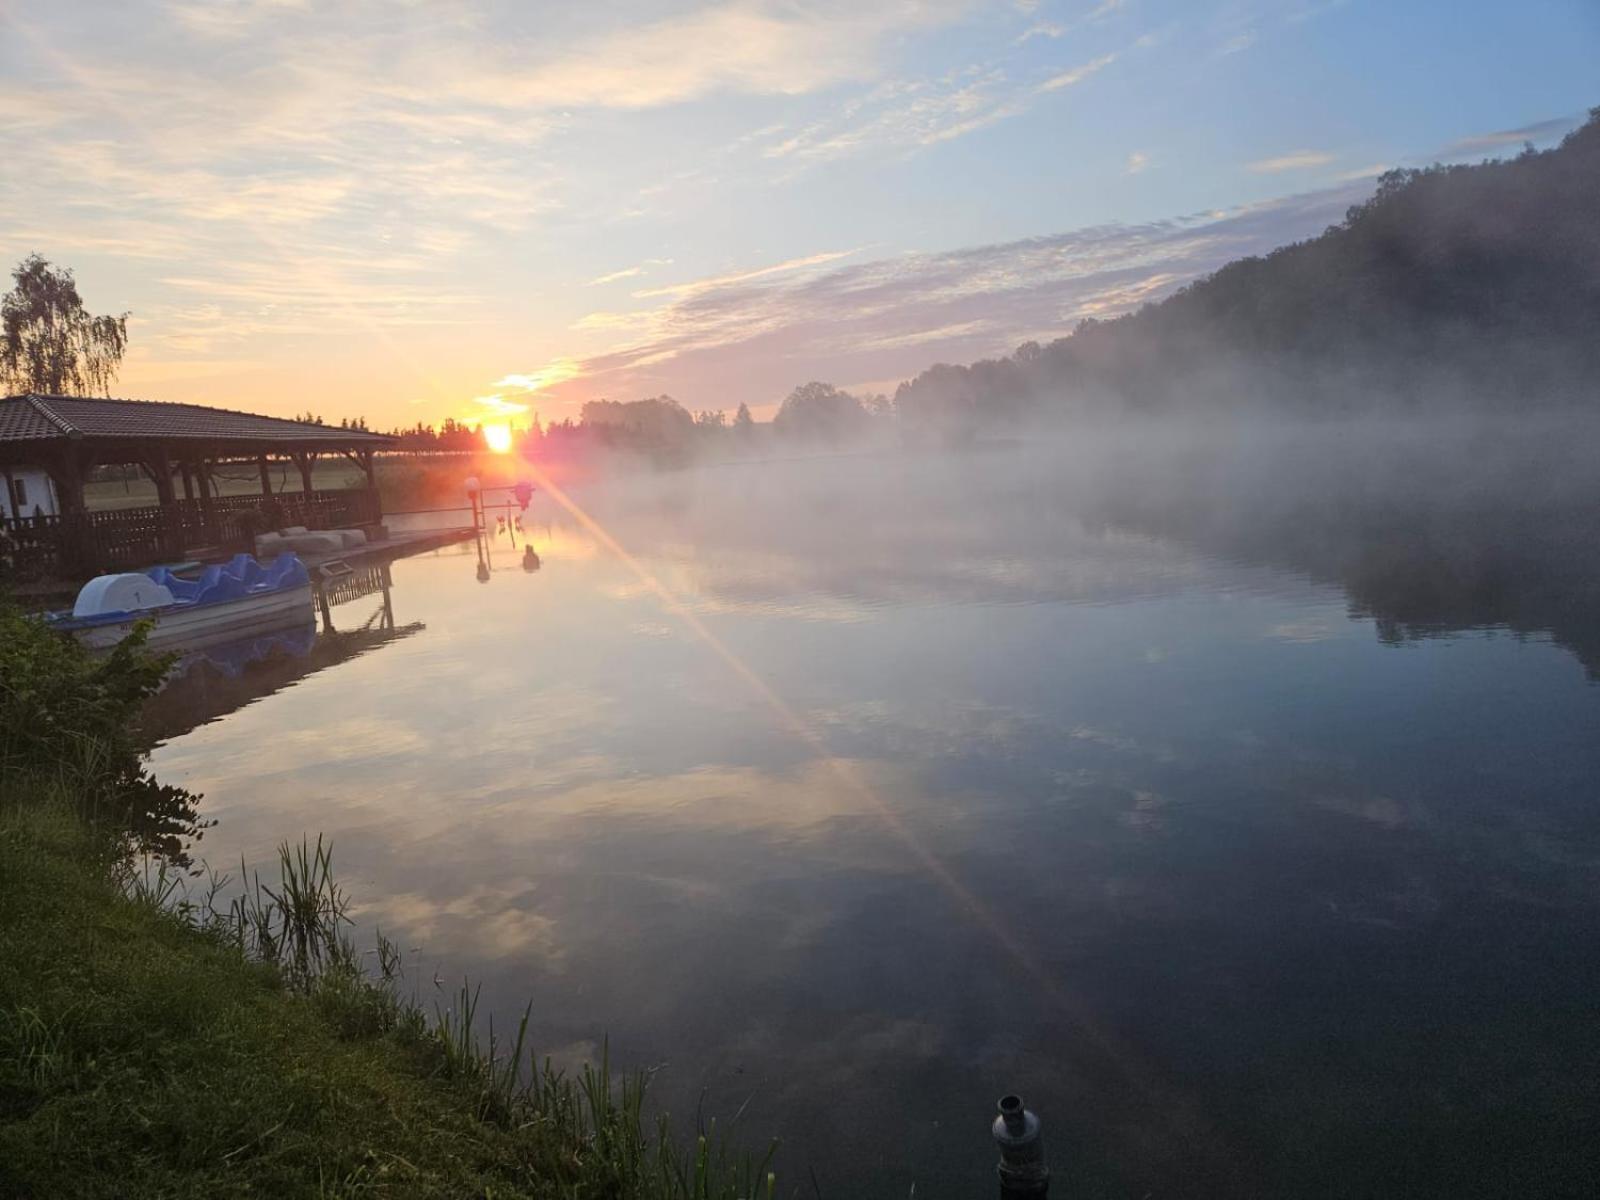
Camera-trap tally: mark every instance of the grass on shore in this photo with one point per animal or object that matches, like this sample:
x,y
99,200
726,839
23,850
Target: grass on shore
x,y
151,1045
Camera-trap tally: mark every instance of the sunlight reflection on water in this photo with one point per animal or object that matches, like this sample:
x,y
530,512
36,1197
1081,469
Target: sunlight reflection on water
x,y
1217,811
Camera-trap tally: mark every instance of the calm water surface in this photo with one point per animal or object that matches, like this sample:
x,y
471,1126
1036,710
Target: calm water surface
x,y
871,788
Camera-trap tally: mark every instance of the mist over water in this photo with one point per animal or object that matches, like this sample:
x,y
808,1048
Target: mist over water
x,y
1226,789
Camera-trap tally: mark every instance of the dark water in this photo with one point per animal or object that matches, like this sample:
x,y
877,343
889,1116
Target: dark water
x,y
1236,804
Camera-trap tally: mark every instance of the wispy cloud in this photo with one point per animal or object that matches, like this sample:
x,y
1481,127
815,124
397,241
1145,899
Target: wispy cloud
x,y
499,406
1137,161
1295,160
906,115
1060,29
552,373
1077,74
753,334
1539,133
740,45
311,168
1044,29
630,272
697,286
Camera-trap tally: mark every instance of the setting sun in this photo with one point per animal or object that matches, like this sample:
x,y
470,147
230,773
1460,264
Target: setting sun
x,y
498,437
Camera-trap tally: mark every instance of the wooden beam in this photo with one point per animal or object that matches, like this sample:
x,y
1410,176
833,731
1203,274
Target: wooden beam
x,y
266,476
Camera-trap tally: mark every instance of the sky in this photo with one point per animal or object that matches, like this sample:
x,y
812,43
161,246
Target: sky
x,y
425,208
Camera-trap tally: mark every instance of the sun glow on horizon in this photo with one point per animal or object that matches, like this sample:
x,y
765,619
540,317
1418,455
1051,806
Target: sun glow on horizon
x,y
497,436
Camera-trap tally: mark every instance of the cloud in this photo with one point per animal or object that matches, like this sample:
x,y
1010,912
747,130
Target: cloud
x,y
1137,161
630,272
499,406
1052,29
696,286
752,335
312,169
742,46
1295,160
1044,29
907,115
557,371
1487,143
1077,74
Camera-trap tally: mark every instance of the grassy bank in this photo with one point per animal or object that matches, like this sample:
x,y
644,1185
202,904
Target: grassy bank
x,y
155,1041
154,1048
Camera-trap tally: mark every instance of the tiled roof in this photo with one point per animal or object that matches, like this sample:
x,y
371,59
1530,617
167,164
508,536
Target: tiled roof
x,y
34,417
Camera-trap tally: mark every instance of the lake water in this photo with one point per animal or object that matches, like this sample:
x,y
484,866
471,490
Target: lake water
x,y
1254,842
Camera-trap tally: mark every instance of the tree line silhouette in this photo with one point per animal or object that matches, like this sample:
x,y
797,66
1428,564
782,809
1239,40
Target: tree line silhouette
x,y
1451,286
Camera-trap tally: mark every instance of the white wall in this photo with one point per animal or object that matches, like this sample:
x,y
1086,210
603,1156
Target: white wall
x,y
41,493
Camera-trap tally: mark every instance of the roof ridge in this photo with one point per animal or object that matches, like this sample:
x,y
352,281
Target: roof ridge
x,y
67,427
42,406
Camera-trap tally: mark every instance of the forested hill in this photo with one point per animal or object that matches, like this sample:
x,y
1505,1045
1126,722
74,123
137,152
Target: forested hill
x,y
1456,286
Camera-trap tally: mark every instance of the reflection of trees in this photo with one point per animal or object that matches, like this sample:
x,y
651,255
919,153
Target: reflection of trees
x,y
1429,531
1428,528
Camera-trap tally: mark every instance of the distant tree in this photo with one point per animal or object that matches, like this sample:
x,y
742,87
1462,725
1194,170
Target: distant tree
x,y
50,344
712,419
820,411
653,424
743,422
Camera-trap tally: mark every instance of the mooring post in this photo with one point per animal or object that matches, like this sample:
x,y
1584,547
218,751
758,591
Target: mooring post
x,y
1023,1174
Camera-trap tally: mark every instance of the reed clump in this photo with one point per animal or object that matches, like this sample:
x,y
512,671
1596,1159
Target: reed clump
x,y
156,1041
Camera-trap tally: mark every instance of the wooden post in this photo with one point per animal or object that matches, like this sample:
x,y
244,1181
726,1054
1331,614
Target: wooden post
x,y
208,512
305,462
160,467
266,477
76,546
188,479
69,480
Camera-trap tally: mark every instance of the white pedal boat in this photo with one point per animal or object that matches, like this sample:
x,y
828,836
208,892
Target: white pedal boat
x,y
225,602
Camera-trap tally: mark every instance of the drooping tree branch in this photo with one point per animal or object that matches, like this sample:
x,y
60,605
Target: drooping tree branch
x,y
49,343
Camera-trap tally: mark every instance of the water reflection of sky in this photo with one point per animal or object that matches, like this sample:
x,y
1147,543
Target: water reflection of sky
x,y
1282,899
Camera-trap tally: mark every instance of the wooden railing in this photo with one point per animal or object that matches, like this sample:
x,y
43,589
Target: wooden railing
x,y
128,538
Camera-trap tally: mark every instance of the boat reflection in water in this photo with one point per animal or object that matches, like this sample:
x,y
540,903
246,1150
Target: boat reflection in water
x,y
213,680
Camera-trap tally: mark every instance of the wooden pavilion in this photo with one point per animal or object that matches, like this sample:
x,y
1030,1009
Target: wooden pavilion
x,y
174,445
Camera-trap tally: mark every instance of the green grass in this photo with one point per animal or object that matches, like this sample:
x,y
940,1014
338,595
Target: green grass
x,y
152,1045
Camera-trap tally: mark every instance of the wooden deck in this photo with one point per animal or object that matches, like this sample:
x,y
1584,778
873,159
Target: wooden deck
x,y
398,545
